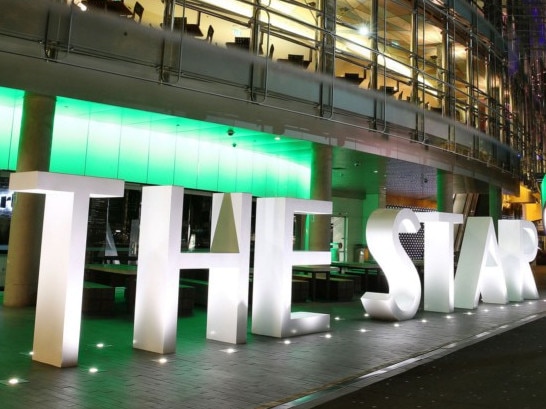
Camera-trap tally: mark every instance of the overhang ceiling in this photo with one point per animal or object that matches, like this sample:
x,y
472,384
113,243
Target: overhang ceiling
x,y
354,173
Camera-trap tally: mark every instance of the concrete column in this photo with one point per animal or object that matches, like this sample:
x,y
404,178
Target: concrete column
x,y
444,191
26,223
321,189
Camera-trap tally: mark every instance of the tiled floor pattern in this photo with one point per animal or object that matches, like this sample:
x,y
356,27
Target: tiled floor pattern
x,y
263,373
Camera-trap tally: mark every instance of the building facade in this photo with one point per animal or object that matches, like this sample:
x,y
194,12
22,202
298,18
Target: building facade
x,y
365,103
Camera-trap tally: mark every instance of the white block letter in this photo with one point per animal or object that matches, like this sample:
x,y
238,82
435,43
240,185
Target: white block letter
x,y
518,240
227,310
273,261
479,269
160,261
62,259
439,268
158,272
402,301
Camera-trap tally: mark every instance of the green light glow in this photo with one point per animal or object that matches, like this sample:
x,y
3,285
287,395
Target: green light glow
x,y
133,154
102,154
259,178
142,147
69,145
187,154
11,102
244,167
228,168
207,167
161,159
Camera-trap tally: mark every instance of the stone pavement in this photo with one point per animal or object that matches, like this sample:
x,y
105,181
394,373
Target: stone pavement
x,y
265,372
503,372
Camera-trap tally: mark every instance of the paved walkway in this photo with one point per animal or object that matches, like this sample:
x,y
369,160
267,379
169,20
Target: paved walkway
x,y
264,373
502,372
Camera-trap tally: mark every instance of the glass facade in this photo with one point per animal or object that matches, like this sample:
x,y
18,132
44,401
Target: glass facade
x,y
471,61
462,77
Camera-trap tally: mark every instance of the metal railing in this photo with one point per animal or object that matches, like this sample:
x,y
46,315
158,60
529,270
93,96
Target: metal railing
x,y
57,34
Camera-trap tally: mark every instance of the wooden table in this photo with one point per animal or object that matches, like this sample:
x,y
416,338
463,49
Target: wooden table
x,y
112,6
366,266
352,79
367,269
240,42
297,63
124,275
115,275
181,23
314,270
371,267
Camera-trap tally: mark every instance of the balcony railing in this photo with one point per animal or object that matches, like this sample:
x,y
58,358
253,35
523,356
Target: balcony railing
x,y
59,34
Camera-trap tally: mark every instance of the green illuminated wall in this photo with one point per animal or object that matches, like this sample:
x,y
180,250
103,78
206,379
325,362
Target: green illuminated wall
x,y
99,140
11,103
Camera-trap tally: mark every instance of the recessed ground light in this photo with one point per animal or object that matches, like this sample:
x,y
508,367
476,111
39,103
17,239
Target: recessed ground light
x,y
13,381
161,360
100,345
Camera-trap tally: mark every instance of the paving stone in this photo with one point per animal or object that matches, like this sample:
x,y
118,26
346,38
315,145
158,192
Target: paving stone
x,y
263,373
